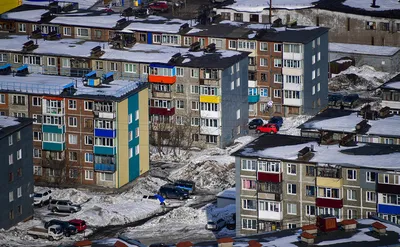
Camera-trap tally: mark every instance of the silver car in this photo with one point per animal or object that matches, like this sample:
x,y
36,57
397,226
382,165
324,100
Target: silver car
x,y
216,226
63,206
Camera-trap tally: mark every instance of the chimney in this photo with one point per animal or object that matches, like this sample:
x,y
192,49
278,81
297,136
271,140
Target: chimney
x,y
384,112
195,46
303,152
29,46
96,52
225,242
210,48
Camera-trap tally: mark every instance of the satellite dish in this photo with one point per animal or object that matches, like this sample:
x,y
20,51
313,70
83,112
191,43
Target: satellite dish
x,y
270,103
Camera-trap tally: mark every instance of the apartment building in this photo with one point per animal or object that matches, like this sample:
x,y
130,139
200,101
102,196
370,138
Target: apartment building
x,y
346,126
17,179
183,83
286,181
390,95
89,131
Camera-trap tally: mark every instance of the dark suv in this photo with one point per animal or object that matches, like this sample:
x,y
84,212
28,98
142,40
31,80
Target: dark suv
x,y
189,186
67,228
173,192
255,123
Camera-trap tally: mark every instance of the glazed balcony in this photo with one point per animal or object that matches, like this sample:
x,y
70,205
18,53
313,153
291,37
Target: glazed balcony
x,y
162,111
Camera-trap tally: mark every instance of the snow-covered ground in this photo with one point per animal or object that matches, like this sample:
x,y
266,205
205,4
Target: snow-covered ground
x,y
83,4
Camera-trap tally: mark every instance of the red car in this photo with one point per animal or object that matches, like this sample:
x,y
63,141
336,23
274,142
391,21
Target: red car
x,y
79,224
267,128
159,6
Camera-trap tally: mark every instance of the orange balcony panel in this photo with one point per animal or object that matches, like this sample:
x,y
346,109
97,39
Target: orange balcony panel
x,y
162,79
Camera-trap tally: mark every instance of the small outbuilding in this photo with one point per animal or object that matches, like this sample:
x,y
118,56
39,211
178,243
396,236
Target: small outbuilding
x,y
226,197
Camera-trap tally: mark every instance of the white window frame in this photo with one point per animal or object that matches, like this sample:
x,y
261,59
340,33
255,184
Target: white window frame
x,y
292,208
89,175
353,174
351,195
369,195
289,171
19,154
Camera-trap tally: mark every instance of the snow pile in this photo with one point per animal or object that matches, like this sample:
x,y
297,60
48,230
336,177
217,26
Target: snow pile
x,y
144,186
74,195
290,124
225,213
182,215
209,174
358,79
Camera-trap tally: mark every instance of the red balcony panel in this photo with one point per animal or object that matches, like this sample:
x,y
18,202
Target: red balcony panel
x,y
162,79
388,188
269,177
329,203
162,111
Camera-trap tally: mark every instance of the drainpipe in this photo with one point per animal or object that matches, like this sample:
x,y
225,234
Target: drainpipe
x,y
80,143
116,141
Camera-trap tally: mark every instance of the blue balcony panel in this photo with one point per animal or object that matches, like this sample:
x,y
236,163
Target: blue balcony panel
x,y
53,146
110,168
254,98
58,129
104,150
105,133
388,209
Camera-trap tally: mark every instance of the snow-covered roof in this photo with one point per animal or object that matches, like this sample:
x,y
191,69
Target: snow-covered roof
x,y
83,4
363,49
392,84
27,15
346,121
284,147
143,53
55,85
228,193
6,121
258,6
158,24
11,124
102,21
366,5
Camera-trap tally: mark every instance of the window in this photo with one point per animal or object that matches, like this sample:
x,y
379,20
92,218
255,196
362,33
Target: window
x,y
269,166
277,93
180,104
19,192
67,31
289,63
19,154
99,65
277,47
232,44
179,72
130,118
82,32
371,25
72,122
194,73
328,193
195,105
106,177
310,171
291,226
211,139
351,174
3,57
291,189
136,115
137,150
249,223
170,39
187,41
351,214
195,121
310,210
278,78
195,137
277,63
36,101
351,195
72,139
130,68
238,114
51,61
21,27
73,156
156,38
65,63
384,26
264,92
249,204
385,178
232,85
370,196
319,56
263,46
194,89
263,62
313,59
88,140
10,140
291,169
238,82
10,196
310,190
10,177
88,175
370,177
18,100
37,119
37,153
318,86
292,208
37,170
313,75
217,42
88,157
2,99
88,105
137,132
130,152
249,165
10,159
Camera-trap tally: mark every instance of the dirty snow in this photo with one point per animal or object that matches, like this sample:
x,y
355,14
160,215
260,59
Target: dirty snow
x,y
83,4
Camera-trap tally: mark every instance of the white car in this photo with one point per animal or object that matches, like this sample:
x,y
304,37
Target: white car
x,y
41,198
216,226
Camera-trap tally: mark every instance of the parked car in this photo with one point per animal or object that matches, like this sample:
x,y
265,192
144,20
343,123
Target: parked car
x,y
41,198
159,6
253,124
171,191
52,233
335,99
350,100
231,224
189,186
67,228
268,128
79,224
276,120
216,226
63,206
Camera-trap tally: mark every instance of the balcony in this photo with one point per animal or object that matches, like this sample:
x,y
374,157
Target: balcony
x,y
162,111
270,215
254,99
292,86
103,150
388,188
206,130
162,79
58,129
161,94
210,99
388,209
209,82
329,203
210,114
104,115
269,177
269,187
105,133
53,111
292,102
329,182
108,168
53,146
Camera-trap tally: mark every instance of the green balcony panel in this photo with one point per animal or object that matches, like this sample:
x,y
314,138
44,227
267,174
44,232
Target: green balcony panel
x,y
104,150
254,98
58,129
53,146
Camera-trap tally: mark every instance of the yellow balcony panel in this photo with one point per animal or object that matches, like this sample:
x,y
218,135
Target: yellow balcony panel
x,y
329,182
210,99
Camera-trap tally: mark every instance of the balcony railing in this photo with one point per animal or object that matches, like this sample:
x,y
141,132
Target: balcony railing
x,y
329,203
253,98
162,111
328,172
268,187
108,168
